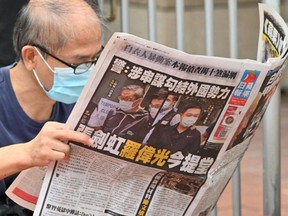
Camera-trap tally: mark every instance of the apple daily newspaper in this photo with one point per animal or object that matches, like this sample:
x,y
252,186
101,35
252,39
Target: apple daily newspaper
x,y
143,162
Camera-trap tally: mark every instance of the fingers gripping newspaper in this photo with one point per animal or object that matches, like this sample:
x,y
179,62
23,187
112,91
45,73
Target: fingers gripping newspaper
x,y
169,128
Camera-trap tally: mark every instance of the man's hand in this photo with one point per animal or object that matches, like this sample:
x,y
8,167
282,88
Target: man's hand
x,y
49,145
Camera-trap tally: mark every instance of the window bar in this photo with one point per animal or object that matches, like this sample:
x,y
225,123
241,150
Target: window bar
x,y
125,16
152,27
180,24
271,148
236,178
209,26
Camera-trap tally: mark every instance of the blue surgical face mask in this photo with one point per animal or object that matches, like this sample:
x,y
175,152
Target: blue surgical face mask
x,y
153,111
166,105
67,86
125,105
188,121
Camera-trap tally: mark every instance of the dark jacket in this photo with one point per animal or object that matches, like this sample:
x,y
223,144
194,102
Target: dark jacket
x,y
186,142
160,125
127,125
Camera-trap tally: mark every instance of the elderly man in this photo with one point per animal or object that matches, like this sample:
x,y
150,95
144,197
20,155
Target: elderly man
x,y
129,119
57,42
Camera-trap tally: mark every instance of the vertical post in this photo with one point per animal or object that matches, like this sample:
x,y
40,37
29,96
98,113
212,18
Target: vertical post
x,y
236,178
209,35
124,16
271,157
233,34
101,4
152,20
271,154
236,189
180,24
209,17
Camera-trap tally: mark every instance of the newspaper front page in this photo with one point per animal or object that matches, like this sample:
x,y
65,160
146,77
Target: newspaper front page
x,y
151,158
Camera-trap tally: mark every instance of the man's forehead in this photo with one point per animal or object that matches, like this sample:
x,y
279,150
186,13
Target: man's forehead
x,y
128,91
193,110
171,97
156,100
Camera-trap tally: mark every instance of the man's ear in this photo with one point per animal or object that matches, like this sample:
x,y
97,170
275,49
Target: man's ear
x,y
29,57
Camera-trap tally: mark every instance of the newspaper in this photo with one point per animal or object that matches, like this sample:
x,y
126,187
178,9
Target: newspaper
x,y
127,172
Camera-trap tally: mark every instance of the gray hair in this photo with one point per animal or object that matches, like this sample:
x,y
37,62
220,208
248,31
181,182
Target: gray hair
x,y
139,91
48,23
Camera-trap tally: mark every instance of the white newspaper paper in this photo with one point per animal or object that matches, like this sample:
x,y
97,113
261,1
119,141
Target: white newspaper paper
x,y
123,175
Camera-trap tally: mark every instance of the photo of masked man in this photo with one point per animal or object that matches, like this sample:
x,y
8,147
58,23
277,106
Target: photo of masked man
x,y
183,136
162,112
129,118
157,100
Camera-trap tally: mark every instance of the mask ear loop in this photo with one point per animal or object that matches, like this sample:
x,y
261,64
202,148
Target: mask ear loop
x,y
41,56
38,80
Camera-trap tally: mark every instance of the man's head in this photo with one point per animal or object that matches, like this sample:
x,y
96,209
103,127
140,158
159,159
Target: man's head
x,y
53,36
169,102
190,115
130,98
54,24
156,102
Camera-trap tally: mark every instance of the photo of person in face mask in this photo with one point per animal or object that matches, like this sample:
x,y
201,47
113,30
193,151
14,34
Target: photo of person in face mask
x,y
128,120
154,109
162,112
168,111
183,136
